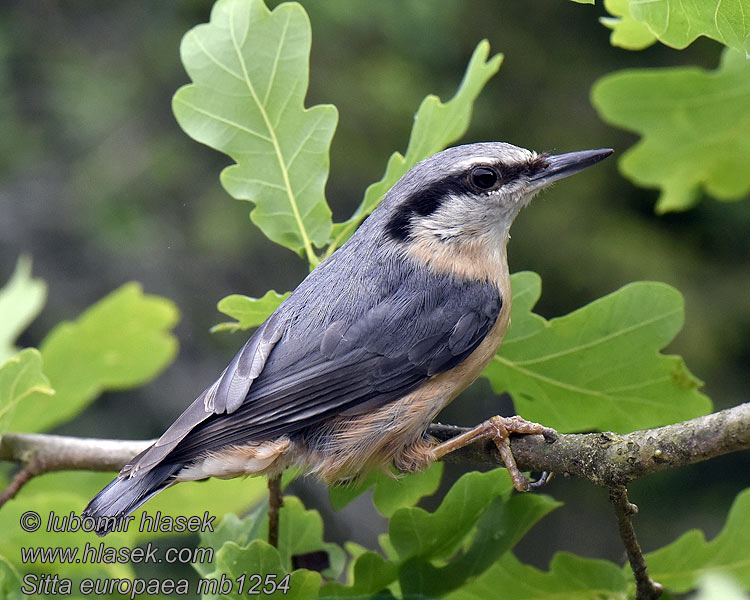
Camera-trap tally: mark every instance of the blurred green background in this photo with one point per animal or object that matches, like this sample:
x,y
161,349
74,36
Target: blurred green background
x,y
100,186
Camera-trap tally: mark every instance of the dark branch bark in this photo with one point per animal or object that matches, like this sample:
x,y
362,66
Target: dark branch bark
x,y
27,472
610,459
275,503
646,588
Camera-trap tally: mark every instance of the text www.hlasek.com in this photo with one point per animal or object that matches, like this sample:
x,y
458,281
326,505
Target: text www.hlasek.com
x,y
98,554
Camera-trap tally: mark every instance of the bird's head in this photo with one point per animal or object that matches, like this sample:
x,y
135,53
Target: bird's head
x,y
459,204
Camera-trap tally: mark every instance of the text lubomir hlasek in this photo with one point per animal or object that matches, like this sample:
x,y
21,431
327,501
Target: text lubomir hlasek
x,y
157,522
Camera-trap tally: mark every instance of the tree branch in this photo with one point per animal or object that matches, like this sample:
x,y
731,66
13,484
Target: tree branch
x,y
39,453
606,459
610,459
65,453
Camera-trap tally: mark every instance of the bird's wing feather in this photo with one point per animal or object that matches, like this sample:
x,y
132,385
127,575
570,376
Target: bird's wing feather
x,y
224,396
354,365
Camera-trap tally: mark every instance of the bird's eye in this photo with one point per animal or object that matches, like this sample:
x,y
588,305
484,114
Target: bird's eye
x,y
484,178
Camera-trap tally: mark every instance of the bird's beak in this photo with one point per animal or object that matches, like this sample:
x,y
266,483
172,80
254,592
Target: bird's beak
x,y
562,165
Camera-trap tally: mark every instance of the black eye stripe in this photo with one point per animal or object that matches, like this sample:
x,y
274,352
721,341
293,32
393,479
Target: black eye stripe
x,y
423,202
399,225
427,200
513,172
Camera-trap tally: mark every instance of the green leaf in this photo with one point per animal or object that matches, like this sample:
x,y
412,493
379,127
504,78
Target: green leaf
x,y
21,300
477,506
301,532
371,573
626,31
390,493
569,578
122,341
415,532
500,528
679,565
249,68
599,367
232,528
239,564
10,581
22,381
695,126
45,499
249,312
341,495
678,23
436,125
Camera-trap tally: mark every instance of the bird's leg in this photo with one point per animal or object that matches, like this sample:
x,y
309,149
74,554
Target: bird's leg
x,y
499,430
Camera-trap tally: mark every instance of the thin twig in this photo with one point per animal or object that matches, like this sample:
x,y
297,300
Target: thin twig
x,y
29,470
646,588
275,502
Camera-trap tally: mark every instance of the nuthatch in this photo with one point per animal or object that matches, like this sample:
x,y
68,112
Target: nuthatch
x,y
349,371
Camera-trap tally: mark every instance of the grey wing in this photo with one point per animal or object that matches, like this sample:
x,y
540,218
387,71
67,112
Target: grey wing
x,y
224,396
354,366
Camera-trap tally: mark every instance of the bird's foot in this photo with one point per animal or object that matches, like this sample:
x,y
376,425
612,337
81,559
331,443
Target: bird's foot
x,y
499,430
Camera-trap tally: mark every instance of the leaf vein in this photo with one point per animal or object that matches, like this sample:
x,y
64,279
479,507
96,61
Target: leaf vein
x,y
224,120
277,148
272,75
598,341
215,60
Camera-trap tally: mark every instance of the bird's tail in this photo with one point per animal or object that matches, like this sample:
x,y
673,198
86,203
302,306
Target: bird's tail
x,y
123,495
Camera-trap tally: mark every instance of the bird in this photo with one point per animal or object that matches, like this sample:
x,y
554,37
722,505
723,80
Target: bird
x,y
347,374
